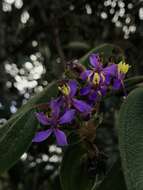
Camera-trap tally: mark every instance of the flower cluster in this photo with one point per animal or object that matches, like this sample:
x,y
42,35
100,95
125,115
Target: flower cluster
x,y
79,96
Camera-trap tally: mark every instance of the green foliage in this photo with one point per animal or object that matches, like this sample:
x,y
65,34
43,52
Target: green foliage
x,y
130,127
53,25
16,139
16,135
73,173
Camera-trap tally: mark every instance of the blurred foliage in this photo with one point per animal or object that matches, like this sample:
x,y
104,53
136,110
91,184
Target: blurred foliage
x,y
37,38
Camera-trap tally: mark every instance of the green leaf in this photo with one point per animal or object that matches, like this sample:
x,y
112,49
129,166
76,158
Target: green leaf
x,y
130,130
16,135
113,179
73,173
16,140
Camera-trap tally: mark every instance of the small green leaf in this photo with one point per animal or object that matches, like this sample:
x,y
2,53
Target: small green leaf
x,y
130,130
73,173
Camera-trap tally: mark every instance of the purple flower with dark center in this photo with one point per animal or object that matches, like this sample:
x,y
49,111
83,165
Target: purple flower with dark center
x,y
69,91
54,119
98,79
98,74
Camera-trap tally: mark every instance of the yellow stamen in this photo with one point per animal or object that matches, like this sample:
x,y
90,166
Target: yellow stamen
x,y
123,67
65,89
96,78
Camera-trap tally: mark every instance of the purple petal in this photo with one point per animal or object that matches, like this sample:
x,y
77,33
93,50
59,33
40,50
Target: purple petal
x,y
94,61
60,137
84,91
84,75
81,106
43,135
94,96
110,70
55,107
73,87
121,76
107,79
42,118
103,90
117,84
67,117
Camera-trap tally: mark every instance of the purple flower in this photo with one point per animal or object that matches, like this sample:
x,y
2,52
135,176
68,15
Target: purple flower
x,y
98,78
98,74
54,119
69,91
120,75
61,138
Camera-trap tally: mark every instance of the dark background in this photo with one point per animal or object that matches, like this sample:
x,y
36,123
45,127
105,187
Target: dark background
x,y
36,39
